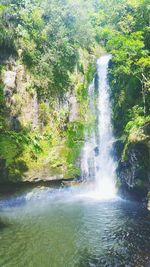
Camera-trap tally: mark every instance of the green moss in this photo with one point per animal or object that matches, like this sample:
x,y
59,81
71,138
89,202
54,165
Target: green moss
x,y
90,72
8,149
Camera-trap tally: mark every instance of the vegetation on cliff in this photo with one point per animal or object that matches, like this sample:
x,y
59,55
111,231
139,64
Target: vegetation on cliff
x,y
46,63
123,27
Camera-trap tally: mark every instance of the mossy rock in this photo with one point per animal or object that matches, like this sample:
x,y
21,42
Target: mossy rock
x,y
133,172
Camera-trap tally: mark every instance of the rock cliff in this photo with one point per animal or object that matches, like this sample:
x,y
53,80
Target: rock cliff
x,y
134,166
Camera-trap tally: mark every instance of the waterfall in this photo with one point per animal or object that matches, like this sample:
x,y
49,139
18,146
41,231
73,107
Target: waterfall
x,y
97,162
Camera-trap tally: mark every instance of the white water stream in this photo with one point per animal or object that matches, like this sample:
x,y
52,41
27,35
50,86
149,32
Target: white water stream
x,y
97,158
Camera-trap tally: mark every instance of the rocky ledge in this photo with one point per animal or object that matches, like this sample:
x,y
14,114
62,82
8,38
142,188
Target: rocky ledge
x,y
133,170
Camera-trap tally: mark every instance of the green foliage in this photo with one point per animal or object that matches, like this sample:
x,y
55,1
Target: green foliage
x,y
8,149
43,113
123,27
48,38
136,123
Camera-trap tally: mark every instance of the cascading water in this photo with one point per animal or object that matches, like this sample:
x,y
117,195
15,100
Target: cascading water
x,y
97,160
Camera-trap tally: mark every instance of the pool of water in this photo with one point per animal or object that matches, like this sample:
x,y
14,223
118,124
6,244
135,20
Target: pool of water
x,y
71,228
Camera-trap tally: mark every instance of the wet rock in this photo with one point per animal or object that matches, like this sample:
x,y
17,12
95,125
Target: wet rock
x,y
42,175
15,124
134,171
133,193
70,183
96,150
146,129
117,149
96,82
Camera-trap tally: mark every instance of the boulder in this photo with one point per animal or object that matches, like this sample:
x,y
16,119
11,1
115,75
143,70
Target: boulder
x,y
134,171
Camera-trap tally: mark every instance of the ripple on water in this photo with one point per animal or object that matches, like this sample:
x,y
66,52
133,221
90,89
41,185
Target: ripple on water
x,y
69,228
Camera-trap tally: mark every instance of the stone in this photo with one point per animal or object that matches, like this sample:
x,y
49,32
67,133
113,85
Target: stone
x,y
117,149
10,79
96,150
74,112
146,129
133,172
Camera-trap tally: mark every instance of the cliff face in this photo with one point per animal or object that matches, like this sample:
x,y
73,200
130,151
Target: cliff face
x,y
21,104
40,138
131,121
134,166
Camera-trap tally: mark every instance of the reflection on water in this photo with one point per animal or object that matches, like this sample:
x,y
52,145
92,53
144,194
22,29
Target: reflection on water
x,y
69,228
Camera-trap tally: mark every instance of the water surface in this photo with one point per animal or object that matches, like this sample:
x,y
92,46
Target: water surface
x,y
69,228
76,227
